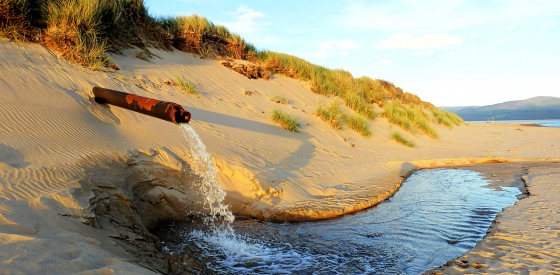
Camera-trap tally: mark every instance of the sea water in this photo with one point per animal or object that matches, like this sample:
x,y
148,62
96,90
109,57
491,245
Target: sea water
x,y
436,216
544,123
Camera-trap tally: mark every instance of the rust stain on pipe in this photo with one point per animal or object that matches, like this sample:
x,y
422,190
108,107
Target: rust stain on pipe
x,y
168,111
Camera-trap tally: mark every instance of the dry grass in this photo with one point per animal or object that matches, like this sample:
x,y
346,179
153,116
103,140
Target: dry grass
x,y
287,121
197,34
14,21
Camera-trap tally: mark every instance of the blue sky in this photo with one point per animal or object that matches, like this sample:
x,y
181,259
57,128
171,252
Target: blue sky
x,y
448,52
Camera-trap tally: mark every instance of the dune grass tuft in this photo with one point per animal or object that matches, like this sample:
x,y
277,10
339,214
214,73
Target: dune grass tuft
x,y
410,118
336,117
186,86
332,114
402,140
287,121
446,118
358,124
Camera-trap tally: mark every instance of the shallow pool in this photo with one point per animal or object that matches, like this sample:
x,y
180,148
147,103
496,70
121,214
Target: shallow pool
x,y
436,216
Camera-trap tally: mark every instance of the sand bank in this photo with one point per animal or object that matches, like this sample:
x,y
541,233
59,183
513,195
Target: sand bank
x,y
86,182
525,237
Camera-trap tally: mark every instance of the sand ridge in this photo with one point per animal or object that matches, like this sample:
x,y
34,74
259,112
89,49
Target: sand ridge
x,y
60,151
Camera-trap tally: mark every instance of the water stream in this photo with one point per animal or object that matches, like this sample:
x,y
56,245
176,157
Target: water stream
x,y
436,216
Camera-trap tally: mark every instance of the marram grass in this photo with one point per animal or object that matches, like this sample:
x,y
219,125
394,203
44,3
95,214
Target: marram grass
x,y
358,123
186,86
332,114
402,140
337,118
446,118
287,121
409,117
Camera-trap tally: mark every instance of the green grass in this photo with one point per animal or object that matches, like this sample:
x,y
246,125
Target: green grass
x,y
332,114
186,86
287,121
446,118
337,118
409,117
402,140
358,124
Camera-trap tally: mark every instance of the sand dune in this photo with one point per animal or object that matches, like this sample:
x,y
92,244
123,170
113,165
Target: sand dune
x,y
71,170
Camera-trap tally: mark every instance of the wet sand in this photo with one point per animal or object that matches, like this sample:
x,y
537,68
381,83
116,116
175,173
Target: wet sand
x,y
525,237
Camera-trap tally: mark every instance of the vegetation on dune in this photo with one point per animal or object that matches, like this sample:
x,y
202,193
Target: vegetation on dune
x,y
358,124
198,35
445,118
186,86
84,31
332,114
402,140
337,118
287,121
409,117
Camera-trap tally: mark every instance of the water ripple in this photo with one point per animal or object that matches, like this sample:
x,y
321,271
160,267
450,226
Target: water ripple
x,y
436,216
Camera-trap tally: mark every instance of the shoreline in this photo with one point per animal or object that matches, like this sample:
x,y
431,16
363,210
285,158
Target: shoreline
x,y
503,249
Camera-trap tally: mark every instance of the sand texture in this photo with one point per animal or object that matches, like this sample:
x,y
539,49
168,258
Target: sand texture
x,y
81,184
524,239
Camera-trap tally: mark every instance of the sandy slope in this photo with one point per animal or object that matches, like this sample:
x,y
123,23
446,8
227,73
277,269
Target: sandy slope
x,y
67,163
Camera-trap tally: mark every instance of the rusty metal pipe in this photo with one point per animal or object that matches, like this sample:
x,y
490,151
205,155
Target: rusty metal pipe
x,y
169,111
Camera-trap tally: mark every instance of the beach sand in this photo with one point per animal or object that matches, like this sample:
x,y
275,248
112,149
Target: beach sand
x,y
524,238
81,184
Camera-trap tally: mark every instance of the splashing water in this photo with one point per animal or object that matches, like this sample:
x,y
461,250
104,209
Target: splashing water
x,y
220,217
217,235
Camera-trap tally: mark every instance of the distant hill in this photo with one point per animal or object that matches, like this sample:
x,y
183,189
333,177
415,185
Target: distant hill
x,y
541,107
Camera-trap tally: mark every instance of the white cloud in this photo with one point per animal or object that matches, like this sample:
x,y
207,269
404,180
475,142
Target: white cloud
x,y
298,30
428,52
511,27
248,21
503,41
522,53
248,14
406,41
386,61
327,48
439,16
549,24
